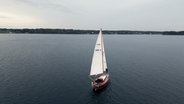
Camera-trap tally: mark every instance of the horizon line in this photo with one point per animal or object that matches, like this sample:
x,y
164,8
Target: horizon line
x,y
96,29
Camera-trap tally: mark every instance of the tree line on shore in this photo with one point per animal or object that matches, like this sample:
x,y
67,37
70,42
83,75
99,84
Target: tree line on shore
x,y
75,31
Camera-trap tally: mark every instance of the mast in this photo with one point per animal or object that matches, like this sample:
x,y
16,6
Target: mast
x,y
102,46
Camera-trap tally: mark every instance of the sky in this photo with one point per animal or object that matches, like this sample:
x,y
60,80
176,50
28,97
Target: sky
x,y
153,15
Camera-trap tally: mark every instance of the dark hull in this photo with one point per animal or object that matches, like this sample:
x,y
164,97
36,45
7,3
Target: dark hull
x,y
100,85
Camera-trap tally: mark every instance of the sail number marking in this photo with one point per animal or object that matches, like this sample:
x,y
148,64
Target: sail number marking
x,y
97,49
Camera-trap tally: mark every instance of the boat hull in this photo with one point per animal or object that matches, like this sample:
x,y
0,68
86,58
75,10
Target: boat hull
x,y
100,85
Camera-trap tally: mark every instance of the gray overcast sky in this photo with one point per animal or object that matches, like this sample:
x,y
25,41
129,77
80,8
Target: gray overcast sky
x,y
93,14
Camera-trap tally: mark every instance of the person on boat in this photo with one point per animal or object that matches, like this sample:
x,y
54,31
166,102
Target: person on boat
x,y
98,80
106,70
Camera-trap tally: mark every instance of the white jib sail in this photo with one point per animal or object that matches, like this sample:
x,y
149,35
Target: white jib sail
x,y
99,61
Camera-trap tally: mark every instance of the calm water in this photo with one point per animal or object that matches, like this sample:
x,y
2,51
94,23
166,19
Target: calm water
x,y
53,69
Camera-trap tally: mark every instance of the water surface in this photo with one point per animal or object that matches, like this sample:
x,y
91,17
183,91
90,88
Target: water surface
x,y
54,69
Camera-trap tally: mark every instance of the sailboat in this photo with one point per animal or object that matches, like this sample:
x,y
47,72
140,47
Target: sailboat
x,y
99,72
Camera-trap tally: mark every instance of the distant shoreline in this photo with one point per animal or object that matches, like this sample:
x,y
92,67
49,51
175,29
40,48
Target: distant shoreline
x,y
75,31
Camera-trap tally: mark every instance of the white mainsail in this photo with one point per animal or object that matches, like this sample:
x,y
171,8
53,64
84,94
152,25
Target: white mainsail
x,y
98,65
104,58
